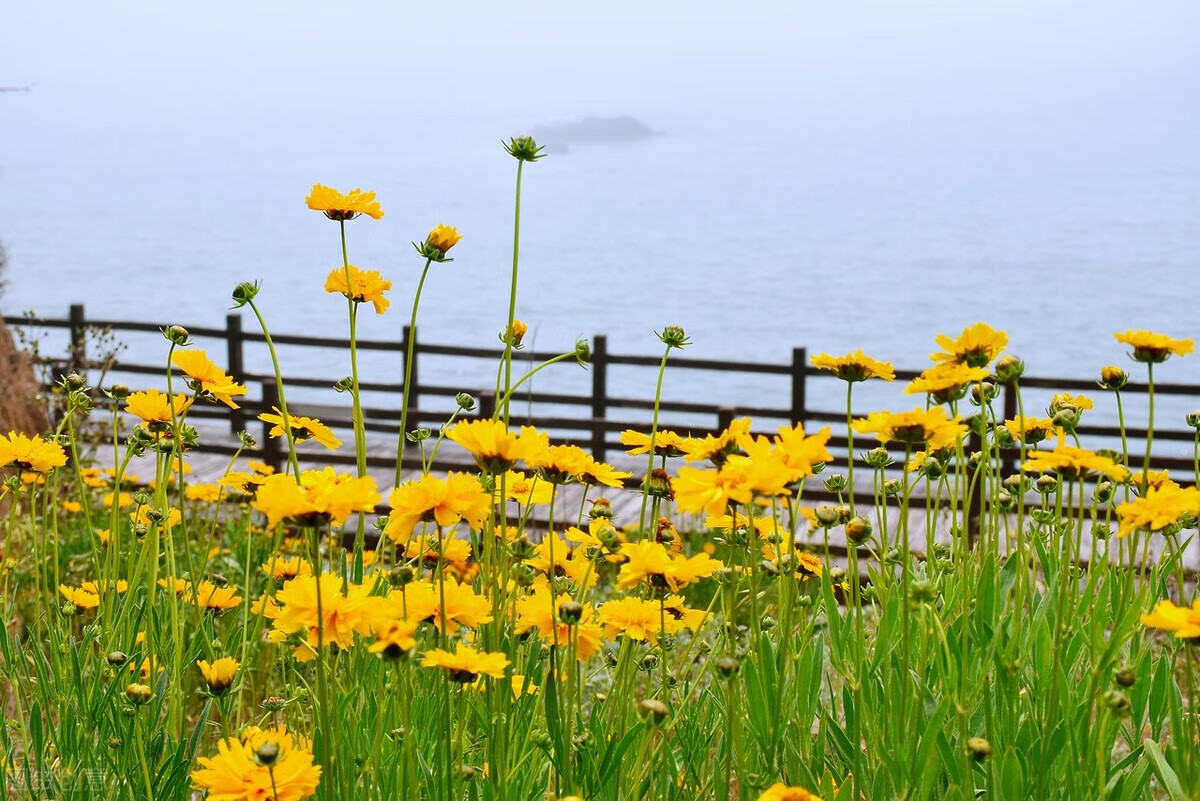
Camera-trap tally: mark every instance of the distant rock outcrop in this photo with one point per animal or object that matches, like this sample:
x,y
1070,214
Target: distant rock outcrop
x,y
592,131
20,406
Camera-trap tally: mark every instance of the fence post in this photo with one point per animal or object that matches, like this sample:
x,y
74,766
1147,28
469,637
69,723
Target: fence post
x,y
413,404
271,452
725,415
1008,463
237,367
78,339
487,404
973,513
599,395
799,383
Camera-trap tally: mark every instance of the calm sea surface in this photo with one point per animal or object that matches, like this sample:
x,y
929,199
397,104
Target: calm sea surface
x,y
830,230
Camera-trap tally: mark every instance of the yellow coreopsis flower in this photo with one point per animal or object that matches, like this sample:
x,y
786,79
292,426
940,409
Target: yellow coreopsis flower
x,y
712,491
1036,429
346,610
321,496
1183,621
458,497
366,286
854,367
303,428
219,674
666,443
946,379
928,427
782,792
466,664
560,464
1072,462
716,448
636,618
30,453
976,346
394,638
341,207
422,601
803,452
216,597
496,448
651,562
154,408
1154,348
81,598
537,612
205,376
236,773
1159,508
204,493
142,517
442,238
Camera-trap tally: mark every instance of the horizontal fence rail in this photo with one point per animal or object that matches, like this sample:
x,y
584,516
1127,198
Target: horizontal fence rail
x,y
590,419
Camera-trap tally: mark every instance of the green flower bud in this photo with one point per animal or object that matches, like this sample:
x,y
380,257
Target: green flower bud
x,y
116,658
267,753
835,483
979,748
139,694
1009,369
673,336
570,612
244,292
1046,483
1125,676
653,710
177,335
465,401
858,530
523,148
878,458
1112,378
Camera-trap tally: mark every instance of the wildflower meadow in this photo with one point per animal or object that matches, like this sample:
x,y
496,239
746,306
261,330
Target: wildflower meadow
x,y
990,632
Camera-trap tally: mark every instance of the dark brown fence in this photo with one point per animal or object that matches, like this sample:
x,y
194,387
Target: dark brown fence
x,y
590,419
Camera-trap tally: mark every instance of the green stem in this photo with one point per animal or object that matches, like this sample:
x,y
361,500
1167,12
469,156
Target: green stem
x,y
287,428
662,369
512,295
408,364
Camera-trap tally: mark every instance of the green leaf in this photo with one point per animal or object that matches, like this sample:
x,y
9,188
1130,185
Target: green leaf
x,y
1166,775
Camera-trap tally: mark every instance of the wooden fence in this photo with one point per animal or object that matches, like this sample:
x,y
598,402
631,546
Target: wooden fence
x,y
592,419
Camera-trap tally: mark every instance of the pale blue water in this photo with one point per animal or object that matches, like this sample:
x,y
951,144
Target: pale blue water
x,y
832,228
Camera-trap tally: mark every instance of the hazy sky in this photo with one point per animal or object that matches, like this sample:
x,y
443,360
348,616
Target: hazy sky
x,y
567,58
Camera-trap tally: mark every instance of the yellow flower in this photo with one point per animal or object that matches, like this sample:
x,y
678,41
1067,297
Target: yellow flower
x,y
595,473
466,664
422,601
81,598
636,618
976,346
123,500
559,464
365,286
236,774
495,448
242,482
666,443
524,490
217,598
458,497
303,428
72,507
207,377
346,610
337,206
946,379
782,792
322,496
1036,429
443,237
712,491
1154,348
716,449
854,367
803,452
1159,508
1183,621
219,674
30,453
394,638
205,493
142,516
651,562
285,568
1154,479
1071,462
536,612
1065,400
154,407
928,427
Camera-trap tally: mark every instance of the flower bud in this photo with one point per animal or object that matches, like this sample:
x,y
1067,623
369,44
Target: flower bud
x,y
1117,702
116,658
139,693
932,468
523,148
1009,369
1067,418
601,507
858,530
402,575
1112,378
247,439
673,336
570,612
892,486
835,483
141,498
583,352
827,516
343,384
984,393
177,335
922,592
1046,483
1103,492
74,382
728,667
878,457
243,293
659,484
1101,531
118,391
1193,419
465,401
267,753
979,748
1125,676
653,710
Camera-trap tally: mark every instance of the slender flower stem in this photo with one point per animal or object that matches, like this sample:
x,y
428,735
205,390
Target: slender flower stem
x,y
662,369
408,365
850,445
512,295
1149,426
287,428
